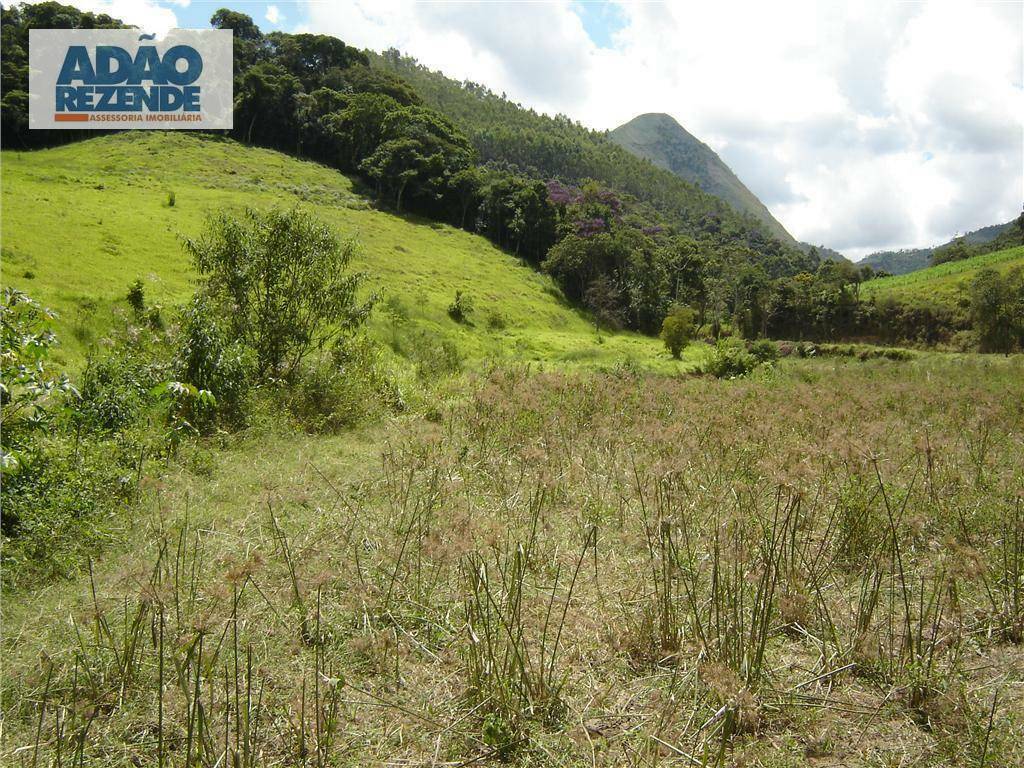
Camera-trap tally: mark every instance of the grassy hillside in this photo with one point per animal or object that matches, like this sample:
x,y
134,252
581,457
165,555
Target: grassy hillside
x,y
81,222
946,284
663,141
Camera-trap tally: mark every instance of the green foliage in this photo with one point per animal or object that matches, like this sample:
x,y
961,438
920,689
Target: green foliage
x,y
346,387
57,475
496,321
677,330
210,360
114,387
730,359
997,309
137,298
29,392
434,355
182,400
461,308
15,22
505,133
283,282
764,350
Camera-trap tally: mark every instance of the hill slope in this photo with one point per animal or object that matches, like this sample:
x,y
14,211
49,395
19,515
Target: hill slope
x,y
946,284
82,221
912,259
660,139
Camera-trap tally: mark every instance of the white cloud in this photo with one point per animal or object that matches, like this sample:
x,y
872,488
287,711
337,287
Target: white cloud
x,y
274,14
862,125
145,14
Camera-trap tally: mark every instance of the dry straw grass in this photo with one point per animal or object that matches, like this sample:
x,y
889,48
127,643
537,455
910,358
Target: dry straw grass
x,y
821,566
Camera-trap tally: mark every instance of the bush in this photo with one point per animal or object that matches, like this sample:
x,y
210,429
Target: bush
x,y
113,392
434,356
496,321
137,298
346,387
29,392
764,350
677,330
729,359
460,309
283,284
209,360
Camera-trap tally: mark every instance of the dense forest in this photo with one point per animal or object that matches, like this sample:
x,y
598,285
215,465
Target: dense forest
x,y
625,239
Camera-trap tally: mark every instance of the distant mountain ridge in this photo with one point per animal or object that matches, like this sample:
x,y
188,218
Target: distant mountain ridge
x,y
662,140
912,259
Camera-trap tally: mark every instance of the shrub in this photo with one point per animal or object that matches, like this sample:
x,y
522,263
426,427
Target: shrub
x,y
496,321
764,350
209,360
28,390
434,356
729,359
344,388
113,392
460,309
283,283
137,298
677,330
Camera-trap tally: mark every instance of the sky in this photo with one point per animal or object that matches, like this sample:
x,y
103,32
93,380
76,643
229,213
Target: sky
x,y
863,125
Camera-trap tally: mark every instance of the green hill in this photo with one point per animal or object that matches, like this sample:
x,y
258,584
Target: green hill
x,y
660,139
912,259
82,221
945,284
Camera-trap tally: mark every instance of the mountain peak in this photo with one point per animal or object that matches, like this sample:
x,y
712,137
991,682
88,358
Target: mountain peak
x,y
660,138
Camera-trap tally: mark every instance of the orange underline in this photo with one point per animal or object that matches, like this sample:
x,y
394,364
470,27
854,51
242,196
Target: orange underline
x,y
69,118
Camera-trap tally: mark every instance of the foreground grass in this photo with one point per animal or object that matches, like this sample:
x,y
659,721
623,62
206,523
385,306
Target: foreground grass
x,y
819,565
83,221
947,284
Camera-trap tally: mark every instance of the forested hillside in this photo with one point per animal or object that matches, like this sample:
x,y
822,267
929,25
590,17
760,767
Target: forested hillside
x,y
558,147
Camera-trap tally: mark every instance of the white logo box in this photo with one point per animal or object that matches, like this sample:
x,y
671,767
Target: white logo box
x,y
102,79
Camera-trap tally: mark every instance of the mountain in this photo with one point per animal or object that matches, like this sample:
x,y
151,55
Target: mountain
x,y
660,139
912,259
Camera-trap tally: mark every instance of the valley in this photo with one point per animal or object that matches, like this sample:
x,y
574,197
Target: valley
x,y
407,425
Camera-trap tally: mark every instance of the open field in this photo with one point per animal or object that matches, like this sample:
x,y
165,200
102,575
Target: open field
x,y
81,222
947,284
822,564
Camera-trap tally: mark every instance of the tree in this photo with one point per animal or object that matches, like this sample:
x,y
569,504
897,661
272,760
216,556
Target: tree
x,y
265,105
241,25
604,300
282,280
677,330
422,150
997,309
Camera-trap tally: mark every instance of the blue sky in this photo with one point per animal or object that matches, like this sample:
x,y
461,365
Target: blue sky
x,y
196,15
601,18
862,124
